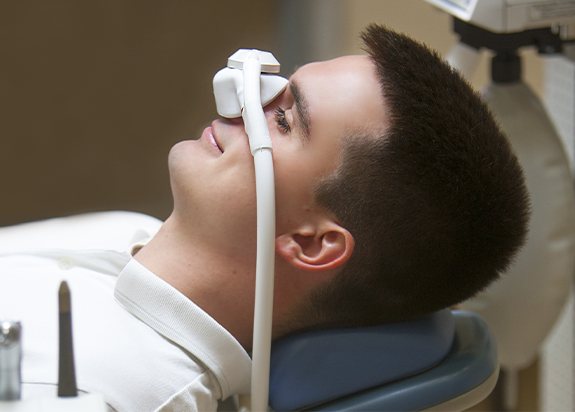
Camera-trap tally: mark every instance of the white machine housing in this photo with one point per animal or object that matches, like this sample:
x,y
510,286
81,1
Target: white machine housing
x,y
508,16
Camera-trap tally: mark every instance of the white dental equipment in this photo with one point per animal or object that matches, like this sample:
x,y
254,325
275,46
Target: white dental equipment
x,y
509,16
537,285
10,373
242,90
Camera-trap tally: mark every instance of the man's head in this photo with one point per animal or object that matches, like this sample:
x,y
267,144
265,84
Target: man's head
x,y
213,179
396,193
437,204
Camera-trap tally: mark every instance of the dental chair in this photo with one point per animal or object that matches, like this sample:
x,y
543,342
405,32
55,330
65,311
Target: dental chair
x,y
444,361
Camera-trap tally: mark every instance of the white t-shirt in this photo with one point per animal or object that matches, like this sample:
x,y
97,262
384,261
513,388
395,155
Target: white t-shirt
x,y
137,341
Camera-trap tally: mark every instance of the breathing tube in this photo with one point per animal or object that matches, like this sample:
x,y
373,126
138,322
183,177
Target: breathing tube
x,y
242,89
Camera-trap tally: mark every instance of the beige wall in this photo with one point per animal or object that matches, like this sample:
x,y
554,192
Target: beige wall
x,y
94,93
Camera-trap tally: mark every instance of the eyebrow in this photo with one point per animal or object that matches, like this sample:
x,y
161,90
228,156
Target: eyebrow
x,y
302,109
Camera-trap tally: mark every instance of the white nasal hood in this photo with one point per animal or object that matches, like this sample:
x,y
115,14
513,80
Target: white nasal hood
x,y
229,83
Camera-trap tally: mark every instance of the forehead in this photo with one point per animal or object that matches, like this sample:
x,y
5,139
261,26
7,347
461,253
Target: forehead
x,y
344,91
336,65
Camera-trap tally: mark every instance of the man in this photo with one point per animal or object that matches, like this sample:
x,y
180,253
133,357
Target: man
x,y
396,195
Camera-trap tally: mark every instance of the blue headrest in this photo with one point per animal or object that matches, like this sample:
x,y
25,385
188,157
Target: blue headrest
x,y
314,367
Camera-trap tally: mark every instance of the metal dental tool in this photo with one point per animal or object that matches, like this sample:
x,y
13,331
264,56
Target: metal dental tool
x,y
242,90
10,360
66,369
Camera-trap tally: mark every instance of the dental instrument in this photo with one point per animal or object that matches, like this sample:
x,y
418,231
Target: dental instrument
x,y
66,366
242,90
10,360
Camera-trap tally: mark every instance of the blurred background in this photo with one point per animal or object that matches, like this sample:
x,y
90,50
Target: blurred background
x,y
94,94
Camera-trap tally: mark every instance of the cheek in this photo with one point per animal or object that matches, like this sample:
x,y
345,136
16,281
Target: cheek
x,y
231,193
295,178
223,210
215,189
234,211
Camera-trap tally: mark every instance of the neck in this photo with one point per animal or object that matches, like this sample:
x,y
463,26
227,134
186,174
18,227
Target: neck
x,y
222,285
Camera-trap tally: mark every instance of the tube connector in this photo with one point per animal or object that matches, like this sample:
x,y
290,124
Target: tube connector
x,y
252,113
268,62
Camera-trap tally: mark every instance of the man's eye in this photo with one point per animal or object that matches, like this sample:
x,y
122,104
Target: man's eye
x,y
280,117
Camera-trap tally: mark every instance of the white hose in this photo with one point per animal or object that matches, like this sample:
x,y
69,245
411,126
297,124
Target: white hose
x,y
260,145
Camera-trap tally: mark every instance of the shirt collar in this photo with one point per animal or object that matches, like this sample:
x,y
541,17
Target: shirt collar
x,y
173,315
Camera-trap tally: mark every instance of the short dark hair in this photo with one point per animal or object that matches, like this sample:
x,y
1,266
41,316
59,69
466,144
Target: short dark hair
x,y
437,205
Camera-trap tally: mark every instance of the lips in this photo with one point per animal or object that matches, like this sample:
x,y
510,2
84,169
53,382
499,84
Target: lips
x,y
209,135
214,141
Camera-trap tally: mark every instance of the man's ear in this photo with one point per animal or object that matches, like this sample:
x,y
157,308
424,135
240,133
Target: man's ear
x,y
316,249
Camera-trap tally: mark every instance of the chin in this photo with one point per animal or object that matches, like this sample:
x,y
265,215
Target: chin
x,y
178,151
184,160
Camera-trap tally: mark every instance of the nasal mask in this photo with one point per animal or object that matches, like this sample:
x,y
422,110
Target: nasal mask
x,y
242,89
231,82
